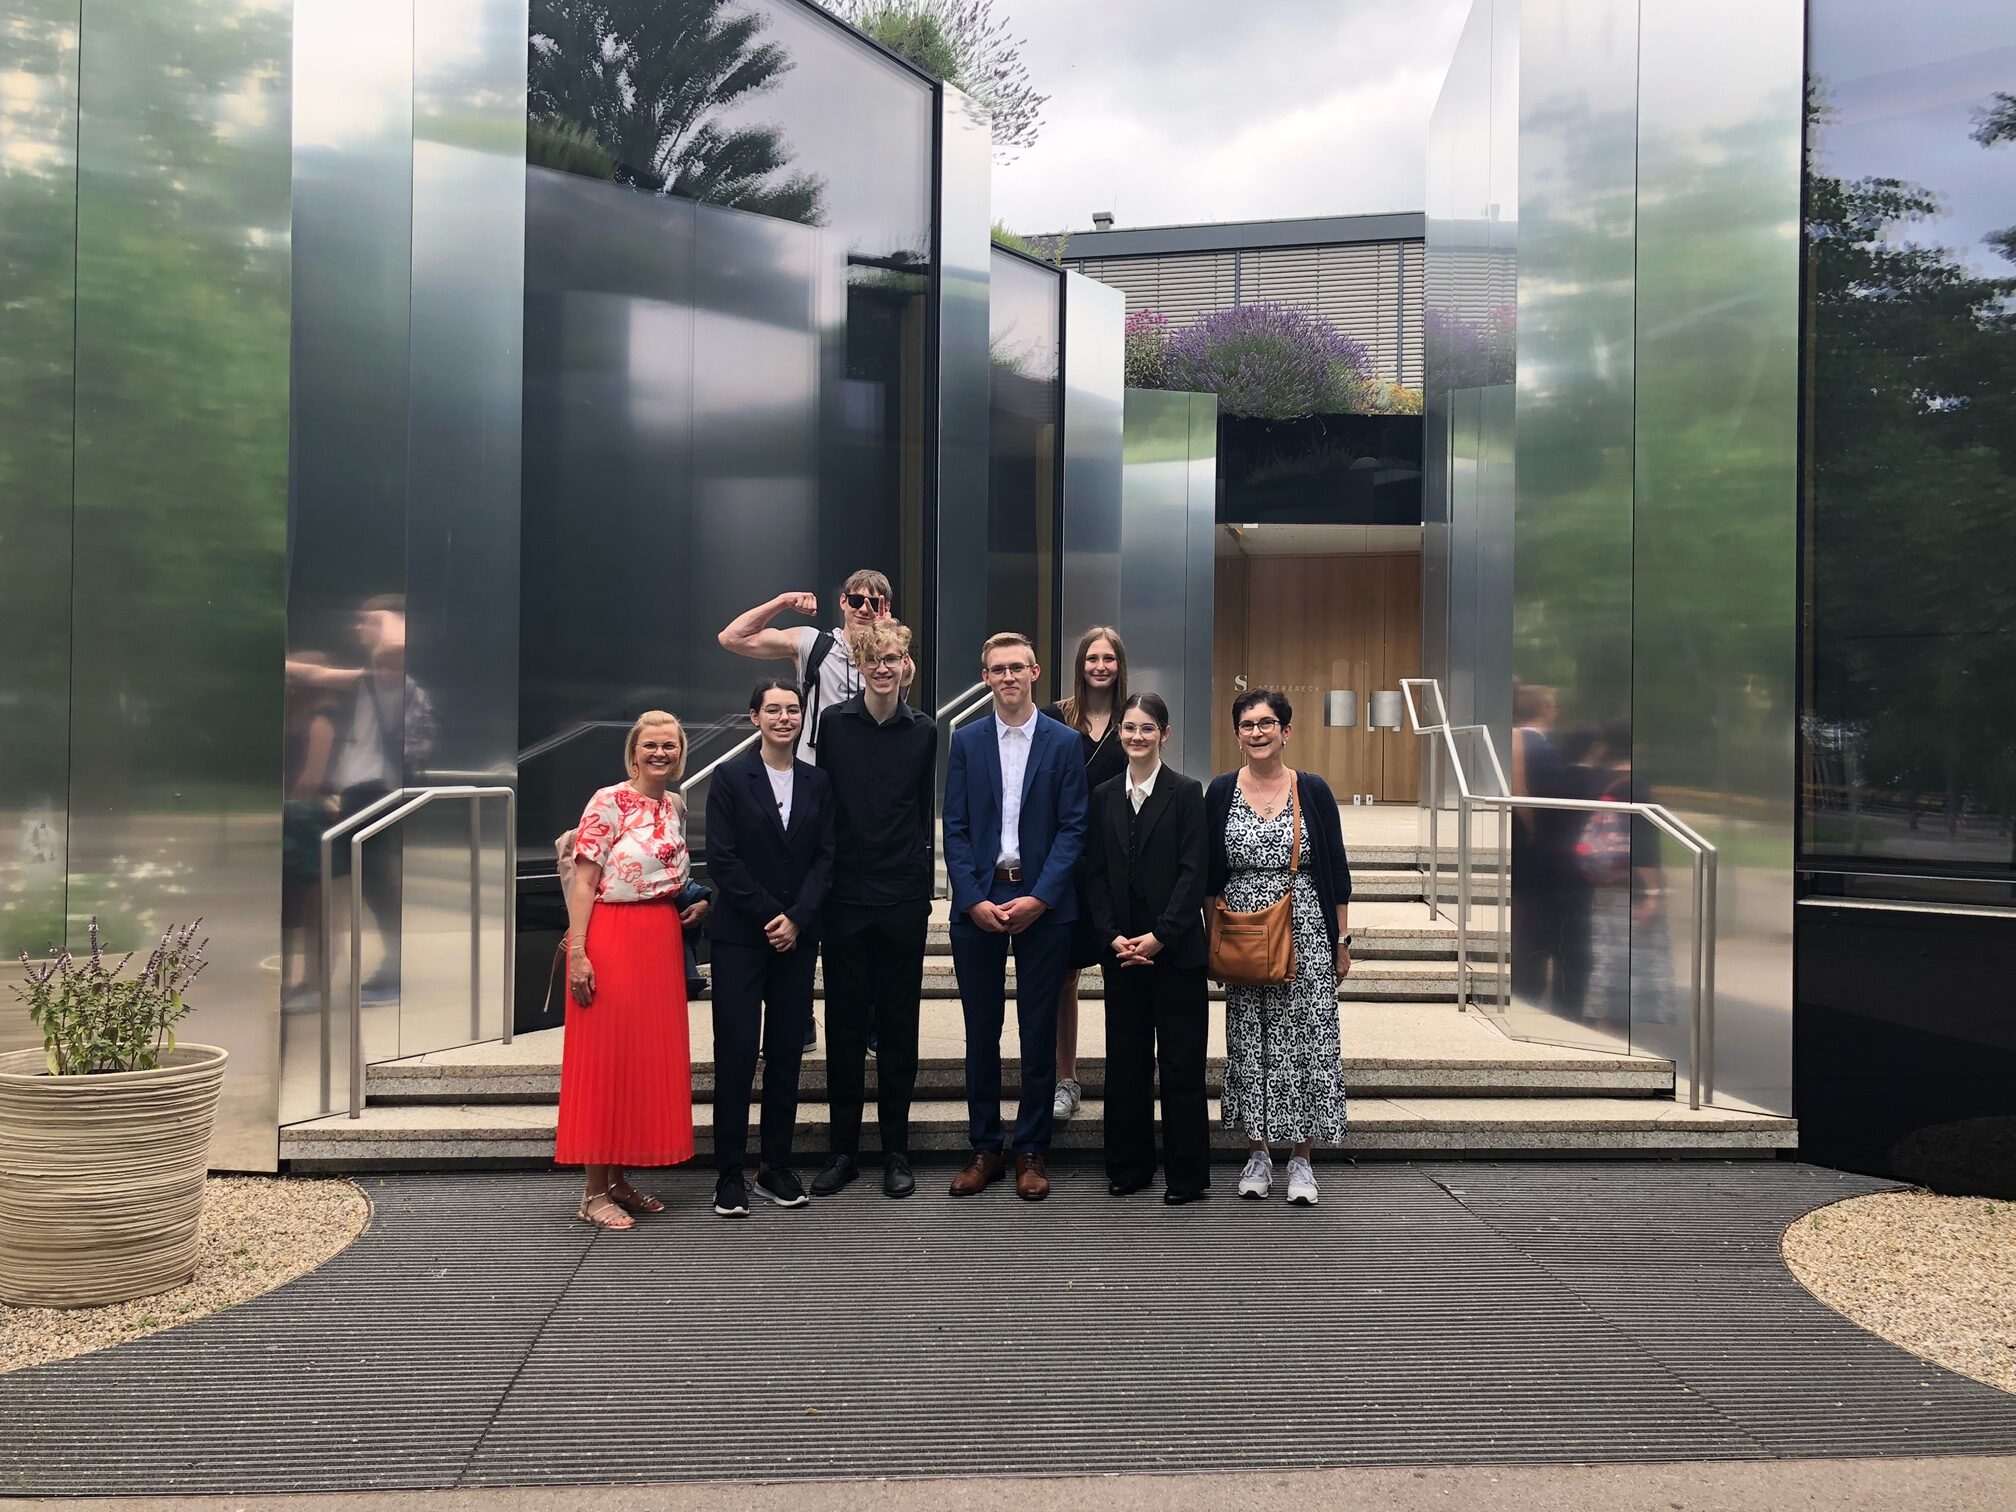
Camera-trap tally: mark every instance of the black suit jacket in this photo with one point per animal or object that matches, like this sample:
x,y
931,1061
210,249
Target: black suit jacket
x,y
1167,865
759,868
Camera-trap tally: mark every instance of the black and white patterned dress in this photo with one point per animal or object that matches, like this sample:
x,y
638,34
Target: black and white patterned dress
x,y
1284,1073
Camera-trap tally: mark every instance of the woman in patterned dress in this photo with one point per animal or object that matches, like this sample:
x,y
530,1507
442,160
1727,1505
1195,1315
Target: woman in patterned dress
x,y
626,1073
1284,1077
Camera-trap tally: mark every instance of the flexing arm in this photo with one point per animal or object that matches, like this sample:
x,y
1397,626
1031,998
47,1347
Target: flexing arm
x,y
749,634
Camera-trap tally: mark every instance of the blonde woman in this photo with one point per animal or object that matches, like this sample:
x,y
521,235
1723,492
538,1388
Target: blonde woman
x,y
626,1072
1098,692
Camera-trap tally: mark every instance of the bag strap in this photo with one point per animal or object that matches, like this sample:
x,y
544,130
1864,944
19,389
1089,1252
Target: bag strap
x,y
1294,825
808,693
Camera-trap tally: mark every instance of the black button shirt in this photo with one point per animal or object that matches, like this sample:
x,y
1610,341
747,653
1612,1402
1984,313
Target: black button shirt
x,y
884,776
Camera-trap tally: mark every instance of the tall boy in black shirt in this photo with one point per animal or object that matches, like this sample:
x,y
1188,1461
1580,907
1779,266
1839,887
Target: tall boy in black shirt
x,y
882,756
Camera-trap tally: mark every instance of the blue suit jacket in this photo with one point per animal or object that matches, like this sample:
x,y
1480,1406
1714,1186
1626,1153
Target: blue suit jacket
x,y
1052,828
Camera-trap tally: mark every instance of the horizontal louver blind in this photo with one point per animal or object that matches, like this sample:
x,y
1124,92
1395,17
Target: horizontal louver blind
x,y
1371,291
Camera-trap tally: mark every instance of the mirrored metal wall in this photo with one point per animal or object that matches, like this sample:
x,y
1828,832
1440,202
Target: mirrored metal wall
x,y
1168,529
38,263
177,584
1024,420
1095,317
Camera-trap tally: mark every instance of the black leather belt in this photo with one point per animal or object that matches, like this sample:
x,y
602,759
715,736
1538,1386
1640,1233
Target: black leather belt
x,y
1007,874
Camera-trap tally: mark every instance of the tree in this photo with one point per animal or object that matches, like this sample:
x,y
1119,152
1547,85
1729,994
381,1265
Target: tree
x,y
961,42
646,81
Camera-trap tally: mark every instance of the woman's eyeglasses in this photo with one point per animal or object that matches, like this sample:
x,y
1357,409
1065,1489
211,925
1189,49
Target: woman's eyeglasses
x,y
1258,726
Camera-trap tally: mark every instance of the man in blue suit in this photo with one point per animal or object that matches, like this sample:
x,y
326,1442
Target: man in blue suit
x,y
1015,804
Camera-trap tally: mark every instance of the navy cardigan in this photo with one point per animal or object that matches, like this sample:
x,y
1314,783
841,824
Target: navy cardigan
x,y
1329,867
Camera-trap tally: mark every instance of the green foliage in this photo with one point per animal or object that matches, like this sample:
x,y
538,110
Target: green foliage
x,y
1048,249
650,84
1146,359
915,34
94,1018
567,148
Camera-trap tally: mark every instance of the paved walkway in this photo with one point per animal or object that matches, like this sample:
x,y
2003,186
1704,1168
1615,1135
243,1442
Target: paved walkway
x,y
1422,1315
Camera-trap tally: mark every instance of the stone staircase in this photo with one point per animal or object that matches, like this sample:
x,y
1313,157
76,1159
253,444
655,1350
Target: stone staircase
x,y
1424,1078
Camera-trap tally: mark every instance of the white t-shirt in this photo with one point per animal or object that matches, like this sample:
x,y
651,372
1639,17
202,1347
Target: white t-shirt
x,y
839,680
780,789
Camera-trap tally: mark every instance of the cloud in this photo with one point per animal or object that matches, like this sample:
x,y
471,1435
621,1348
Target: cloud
x,y
1169,111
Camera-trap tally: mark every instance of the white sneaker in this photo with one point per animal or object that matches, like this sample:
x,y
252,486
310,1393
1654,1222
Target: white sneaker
x,y
1258,1177
1301,1183
1069,1096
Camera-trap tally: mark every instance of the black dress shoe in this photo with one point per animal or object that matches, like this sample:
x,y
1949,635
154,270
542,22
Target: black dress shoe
x,y
897,1178
1175,1198
835,1174
1124,1188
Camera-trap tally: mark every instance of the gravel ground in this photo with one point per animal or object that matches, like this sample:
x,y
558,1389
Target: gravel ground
x,y
258,1232
1936,1275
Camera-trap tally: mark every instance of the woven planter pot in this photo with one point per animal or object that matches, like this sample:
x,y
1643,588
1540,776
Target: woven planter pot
x,y
101,1177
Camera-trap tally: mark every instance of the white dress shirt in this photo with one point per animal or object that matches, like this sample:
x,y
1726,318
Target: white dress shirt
x,y
780,790
1139,795
1014,742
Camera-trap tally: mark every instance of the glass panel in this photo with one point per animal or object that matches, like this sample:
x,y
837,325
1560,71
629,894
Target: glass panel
x,y
1023,409
725,360
1910,754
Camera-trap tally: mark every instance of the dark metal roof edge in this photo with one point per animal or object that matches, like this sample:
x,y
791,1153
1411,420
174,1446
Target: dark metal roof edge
x,y
1225,236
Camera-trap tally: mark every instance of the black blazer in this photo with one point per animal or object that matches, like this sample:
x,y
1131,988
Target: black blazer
x,y
1168,863
759,868
1329,867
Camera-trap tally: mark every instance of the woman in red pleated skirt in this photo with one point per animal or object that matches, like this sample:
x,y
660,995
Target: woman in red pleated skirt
x,y
626,1072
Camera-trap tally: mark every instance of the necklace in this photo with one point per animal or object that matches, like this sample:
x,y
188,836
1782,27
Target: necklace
x,y
1268,805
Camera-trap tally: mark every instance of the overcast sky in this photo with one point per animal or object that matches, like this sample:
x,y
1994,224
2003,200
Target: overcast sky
x,y
1167,111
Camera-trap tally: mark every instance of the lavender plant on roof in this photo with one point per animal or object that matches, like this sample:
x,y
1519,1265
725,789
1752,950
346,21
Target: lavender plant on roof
x,y
1270,361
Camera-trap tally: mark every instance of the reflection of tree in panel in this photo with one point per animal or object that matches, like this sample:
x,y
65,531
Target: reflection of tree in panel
x,y
1912,477
633,90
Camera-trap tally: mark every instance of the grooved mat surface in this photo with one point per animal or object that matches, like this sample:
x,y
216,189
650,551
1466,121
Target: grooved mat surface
x,y
1430,1313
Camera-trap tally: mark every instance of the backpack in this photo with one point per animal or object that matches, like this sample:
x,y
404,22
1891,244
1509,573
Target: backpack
x,y
808,695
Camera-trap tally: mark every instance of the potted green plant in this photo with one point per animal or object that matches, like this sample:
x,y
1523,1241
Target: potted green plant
x,y
105,1131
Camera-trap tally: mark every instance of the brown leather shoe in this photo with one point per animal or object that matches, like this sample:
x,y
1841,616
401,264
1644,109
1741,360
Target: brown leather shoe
x,y
981,1172
1030,1183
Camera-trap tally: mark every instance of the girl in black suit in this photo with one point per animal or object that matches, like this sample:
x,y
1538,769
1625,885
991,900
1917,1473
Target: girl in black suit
x,y
1145,853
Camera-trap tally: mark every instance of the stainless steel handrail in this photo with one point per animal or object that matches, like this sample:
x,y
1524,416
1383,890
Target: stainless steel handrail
x,y
1701,1073
962,698
687,784
415,800
966,712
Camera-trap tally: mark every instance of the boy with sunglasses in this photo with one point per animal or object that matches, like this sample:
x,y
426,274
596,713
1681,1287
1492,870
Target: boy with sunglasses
x,y
825,669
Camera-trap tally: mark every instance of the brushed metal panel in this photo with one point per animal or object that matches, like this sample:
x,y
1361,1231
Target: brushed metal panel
x,y
1191,741
465,393
38,254
1023,323
346,563
1716,582
179,596
1572,633
964,209
1095,318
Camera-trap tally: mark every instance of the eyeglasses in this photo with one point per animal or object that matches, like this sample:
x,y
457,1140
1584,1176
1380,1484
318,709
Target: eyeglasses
x,y
1008,669
864,600
892,662
1258,726
659,747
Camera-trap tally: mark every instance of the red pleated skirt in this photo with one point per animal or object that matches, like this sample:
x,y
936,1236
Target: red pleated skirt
x,y
626,1068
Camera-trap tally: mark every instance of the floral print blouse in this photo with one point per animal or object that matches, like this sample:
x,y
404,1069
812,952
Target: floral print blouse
x,y
639,842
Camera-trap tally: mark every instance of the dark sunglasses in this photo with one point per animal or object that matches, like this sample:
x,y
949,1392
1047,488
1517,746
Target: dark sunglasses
x,y
863,600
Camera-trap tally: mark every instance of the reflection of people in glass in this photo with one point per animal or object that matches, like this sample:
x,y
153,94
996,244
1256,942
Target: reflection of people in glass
x,y
1631,947
1099,687
307,808
1275,832
1144,882
626,1077
1550,898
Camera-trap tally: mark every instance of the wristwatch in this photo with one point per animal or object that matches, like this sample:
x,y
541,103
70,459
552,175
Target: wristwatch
x,y
1344,940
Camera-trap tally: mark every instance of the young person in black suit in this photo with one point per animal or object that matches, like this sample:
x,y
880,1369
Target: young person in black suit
x,y
1145,857
770,853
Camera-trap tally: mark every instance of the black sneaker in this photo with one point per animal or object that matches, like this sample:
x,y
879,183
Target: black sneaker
x,y
835,1174
897,1178
782,1187
731,1195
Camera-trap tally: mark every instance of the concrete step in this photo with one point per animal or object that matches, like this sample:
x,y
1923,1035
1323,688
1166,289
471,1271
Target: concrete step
x,y
446,1136
1421,1049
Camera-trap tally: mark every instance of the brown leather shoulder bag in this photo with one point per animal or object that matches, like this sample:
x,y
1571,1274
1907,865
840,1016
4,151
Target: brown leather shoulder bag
x,y
1258,949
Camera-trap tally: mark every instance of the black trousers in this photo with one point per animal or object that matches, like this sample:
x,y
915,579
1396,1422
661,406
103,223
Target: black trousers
x,y
757,989
874,979
1157,1013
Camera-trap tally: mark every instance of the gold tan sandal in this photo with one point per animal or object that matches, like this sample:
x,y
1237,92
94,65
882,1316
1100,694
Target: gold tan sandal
x,y
631,1200
604,1212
